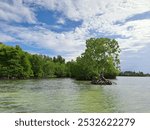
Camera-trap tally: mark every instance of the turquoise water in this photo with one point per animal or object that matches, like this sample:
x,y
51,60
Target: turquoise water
x,y
129,94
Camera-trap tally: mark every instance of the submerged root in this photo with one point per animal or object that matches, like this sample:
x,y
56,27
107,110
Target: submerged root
x,y
101,81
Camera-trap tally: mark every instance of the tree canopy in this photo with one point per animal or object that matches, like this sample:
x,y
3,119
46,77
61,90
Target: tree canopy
x,y
16,63
101,56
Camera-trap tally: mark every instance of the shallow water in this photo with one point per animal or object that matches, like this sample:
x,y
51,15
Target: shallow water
x,y
130,94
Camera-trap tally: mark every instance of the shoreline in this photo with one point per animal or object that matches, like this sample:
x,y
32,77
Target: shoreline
x,y
63,78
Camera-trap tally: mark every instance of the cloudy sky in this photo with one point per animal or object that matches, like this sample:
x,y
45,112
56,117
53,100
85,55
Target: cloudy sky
x,y
60,27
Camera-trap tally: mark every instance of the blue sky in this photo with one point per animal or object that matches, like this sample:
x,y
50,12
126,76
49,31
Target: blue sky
x,y
54,27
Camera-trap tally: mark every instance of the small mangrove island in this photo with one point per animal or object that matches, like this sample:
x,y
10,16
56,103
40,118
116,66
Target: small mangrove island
x,y
98,63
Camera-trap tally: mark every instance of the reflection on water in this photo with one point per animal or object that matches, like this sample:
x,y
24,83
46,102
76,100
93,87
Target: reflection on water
x,y
67,95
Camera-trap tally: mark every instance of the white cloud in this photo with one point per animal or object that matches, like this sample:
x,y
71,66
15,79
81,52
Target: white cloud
x,y
6,38
14,10
61,21
98,16
66,42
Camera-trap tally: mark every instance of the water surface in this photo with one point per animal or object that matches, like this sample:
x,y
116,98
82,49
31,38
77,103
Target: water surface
x,y
129,94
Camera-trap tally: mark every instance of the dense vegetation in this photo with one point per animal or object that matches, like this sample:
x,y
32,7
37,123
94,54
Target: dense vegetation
x,y
15,63
133,73
101,56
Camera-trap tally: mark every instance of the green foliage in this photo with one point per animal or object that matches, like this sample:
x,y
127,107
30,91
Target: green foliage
x,y
15,63
27,68
133,73
58,59
60,70
37,65
101,56
48,69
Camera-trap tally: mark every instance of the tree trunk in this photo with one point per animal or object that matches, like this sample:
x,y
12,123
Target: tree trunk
x,y
101,81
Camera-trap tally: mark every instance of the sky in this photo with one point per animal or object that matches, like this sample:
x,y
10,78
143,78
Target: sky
x,y
61,27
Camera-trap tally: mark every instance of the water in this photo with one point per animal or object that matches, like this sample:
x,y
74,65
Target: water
x,y
130,94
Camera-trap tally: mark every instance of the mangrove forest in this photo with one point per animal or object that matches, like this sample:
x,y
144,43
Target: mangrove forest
x,y
101,57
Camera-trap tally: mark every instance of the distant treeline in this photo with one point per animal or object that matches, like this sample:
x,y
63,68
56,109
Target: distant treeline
x,y
133,73
100,57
